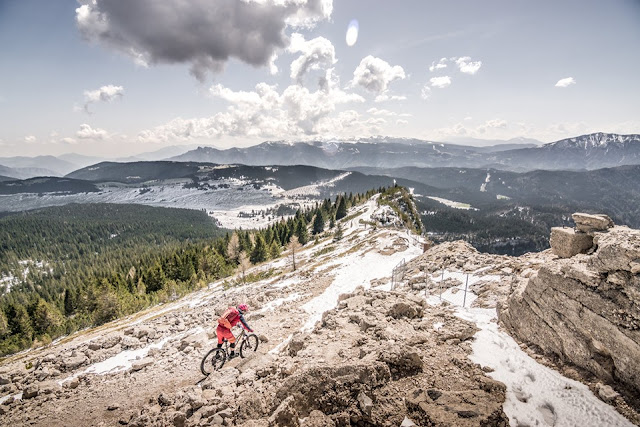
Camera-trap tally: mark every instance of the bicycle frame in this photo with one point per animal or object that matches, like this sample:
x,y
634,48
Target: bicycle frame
x,y
239,340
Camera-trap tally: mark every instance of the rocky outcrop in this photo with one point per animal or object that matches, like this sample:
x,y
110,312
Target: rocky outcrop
x,y
586,309
567,242
588,223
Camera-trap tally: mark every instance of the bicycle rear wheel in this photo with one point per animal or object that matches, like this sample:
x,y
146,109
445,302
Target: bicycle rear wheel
x,y
249,345
213,361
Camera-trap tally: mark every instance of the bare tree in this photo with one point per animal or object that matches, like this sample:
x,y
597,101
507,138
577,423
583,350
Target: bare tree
x,y
243,263
294,246
233,248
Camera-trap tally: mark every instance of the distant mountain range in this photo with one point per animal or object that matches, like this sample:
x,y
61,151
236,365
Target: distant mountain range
x,y
586,152
592,151
28,167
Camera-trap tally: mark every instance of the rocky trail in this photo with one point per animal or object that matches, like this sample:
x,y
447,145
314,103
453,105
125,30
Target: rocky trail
x,y
341,344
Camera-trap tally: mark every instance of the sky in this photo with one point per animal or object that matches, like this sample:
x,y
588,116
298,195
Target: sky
x,y
115,78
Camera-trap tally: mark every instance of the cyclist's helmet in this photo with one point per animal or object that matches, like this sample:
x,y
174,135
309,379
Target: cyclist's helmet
x,y
243,307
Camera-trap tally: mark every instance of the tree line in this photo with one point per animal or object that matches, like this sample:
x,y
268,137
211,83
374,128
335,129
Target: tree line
x,y
104,261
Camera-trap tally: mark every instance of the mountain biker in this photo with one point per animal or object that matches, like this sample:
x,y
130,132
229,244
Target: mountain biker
x,y
228,320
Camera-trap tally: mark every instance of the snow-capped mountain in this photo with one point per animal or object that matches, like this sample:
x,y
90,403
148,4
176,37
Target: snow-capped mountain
x,y
592,151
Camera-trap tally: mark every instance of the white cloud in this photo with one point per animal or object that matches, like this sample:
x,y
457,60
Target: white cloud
x,y
385,97
402,122
381,112
566,82
29,139
87,132
103,94
467,66
440,82
439,66
375,74
316,54
267,113
492,124
200,33
425,93
69,141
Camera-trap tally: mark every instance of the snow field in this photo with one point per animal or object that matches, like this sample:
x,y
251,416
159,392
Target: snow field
x,y
536,395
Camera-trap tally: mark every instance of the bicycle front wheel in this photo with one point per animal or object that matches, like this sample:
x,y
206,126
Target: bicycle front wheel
x,y
249,345
213,361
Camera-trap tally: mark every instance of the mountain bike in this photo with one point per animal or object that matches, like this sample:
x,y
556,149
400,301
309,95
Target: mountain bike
x,y
216,358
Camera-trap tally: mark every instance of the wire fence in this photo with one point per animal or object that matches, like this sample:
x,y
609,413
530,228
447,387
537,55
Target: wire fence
x,y
398,273
456,295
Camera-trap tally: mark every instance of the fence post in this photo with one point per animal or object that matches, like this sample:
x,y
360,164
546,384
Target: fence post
x,y
426,283
464,301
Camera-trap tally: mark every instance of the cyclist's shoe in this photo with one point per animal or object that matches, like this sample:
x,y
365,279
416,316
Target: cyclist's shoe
x,y
233,355
218,356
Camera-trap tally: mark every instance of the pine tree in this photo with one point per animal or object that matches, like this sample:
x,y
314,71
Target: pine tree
x,y
69,301
4,325
301,232
274,250
341,210
45,318
318,223
338,233
259,253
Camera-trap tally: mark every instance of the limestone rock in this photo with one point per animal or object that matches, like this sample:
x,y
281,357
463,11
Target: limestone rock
x,y
111,341
142,363
4,379
75,362
566,242
30,391
586,310
403,309
589,223
285,414
365,403
606,392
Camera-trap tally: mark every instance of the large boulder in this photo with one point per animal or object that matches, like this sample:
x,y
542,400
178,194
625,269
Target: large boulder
x,y
589,223
331,389
586,310
142,363
75,361
566,242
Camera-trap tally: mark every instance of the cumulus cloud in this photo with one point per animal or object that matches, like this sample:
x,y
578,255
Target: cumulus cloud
x,y
439,66
383,112
425,93
402,122
68,141
315,54
266,112
29,139
492,124
200,33
566,82
87,132
385,97
103,94
375,74
440,82
467,66
464,64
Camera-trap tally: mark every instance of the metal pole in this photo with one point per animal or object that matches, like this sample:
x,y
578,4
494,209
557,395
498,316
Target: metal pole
x,y
464,301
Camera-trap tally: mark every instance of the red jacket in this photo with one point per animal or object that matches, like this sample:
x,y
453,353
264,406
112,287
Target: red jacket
x,y
231,317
